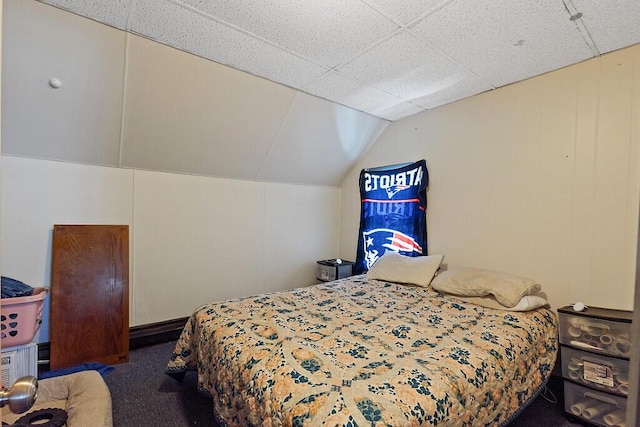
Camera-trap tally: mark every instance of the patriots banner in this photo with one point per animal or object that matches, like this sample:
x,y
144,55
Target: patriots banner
x,y
393,214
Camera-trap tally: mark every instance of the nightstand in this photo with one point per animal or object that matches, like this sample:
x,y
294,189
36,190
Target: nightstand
x,y
595,350
330,269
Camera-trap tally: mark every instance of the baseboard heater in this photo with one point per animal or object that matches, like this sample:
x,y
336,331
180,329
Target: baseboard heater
x,y
139,336
156,333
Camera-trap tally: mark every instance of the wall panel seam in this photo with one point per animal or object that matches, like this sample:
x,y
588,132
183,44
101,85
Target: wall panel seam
x,y
125,75
275,137
596,137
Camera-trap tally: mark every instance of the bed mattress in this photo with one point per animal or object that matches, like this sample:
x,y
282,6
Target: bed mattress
x,y
360,352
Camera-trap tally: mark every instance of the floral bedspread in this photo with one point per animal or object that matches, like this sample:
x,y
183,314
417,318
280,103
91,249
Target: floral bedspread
x,y
359,352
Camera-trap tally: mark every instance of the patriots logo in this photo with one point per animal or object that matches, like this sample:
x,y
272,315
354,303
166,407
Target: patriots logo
x,y
391,191
380,240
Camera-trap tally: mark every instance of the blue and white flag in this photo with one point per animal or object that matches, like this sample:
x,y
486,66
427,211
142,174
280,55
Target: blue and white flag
x,y
393,215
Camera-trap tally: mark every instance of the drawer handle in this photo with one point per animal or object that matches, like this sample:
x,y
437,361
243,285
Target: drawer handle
x,y
601,398
576,343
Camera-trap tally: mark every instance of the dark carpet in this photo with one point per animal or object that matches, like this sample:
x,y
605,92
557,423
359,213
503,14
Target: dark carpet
x,y
144,396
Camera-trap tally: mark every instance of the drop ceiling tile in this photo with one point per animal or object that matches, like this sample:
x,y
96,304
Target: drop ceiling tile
x,y
504,41
409,69
114,12
173,25
319,142
264,60
177,26
346,91
327,32
612,25
403,12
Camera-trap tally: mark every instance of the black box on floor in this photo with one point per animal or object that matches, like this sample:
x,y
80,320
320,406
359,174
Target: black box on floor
x,y
332,269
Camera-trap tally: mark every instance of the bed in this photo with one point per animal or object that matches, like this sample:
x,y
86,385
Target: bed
x,y
366,352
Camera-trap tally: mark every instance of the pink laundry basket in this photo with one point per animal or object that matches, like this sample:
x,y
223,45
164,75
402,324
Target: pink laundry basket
x,y
21,318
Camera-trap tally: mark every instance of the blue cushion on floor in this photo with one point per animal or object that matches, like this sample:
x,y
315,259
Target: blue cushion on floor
x,y
95,366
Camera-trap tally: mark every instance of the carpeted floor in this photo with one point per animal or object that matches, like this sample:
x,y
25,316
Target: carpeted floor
x,y
144,396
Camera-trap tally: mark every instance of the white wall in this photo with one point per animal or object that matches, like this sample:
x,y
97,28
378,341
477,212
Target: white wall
x,y
126,101
198,239
194,239
128,106
540,178
37,194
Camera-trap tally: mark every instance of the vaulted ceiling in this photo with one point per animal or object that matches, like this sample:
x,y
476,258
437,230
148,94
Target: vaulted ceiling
x,y
389,58
158,86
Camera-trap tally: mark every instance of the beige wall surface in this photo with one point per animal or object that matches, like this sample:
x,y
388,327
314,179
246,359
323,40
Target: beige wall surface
x,y
539,178
79,121
128,107
36,194
130,102
193,239
199,239
186,114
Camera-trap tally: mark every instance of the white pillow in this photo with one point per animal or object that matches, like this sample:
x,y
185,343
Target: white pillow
x,y
527,302
394,267
508,289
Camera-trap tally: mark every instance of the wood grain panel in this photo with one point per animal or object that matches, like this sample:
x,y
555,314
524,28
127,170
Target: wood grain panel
x,y
89,295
